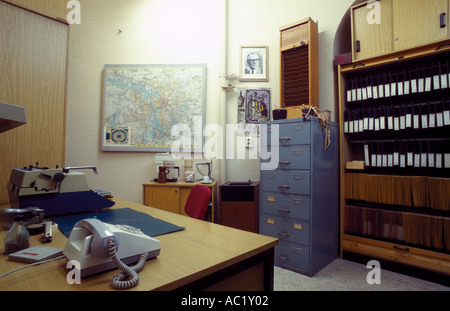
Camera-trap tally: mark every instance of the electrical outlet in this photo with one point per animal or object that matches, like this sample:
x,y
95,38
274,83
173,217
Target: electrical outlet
x,y
248,142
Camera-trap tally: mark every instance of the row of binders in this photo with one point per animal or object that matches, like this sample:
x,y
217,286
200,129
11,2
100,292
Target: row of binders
x,y
409,80
432,157
399,117
409,191
410,228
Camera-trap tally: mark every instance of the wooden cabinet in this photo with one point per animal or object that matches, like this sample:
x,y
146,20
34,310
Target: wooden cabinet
x,y
395,158
33,75
389,26
299,199
371,30
418,22
54,9
166,198
299,57
172,196
239,205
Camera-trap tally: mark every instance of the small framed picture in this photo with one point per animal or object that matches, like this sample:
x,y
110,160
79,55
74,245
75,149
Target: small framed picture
x,y
254,63
254,105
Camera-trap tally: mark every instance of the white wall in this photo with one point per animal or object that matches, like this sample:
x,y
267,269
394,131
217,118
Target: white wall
x,y
177,31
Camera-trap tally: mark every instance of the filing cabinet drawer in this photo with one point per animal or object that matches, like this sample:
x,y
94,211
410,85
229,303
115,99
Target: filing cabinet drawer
x,y
285,229
291,133
292,254
289,205
286,181
294,157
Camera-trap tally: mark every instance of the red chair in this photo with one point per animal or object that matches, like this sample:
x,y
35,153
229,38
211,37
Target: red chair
x,y
198,201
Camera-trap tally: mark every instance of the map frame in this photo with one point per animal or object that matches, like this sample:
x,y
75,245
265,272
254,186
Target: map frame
x,y
121,132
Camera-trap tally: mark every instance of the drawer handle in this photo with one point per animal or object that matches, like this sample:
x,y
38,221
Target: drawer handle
x,y
282,210
286,235
283,258
406,249
284,186
297,250
285,162
285,138
298,176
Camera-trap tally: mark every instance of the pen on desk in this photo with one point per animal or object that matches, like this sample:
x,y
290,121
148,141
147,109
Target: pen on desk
x,y
48,232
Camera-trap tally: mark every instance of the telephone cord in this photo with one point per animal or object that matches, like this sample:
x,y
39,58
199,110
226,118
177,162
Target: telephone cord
x,y
33,264
119,281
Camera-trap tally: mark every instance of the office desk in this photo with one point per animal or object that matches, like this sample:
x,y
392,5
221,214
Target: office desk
x,y
204,256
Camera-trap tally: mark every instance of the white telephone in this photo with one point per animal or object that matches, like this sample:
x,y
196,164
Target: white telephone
x,y
99,246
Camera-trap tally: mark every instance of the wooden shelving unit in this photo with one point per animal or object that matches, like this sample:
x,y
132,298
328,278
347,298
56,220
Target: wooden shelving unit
x,y
395,157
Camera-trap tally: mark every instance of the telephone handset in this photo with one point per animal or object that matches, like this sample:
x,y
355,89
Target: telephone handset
x,y
100,236
95,245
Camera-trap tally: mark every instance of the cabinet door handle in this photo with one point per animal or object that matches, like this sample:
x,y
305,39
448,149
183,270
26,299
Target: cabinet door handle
x,y
442,18
298,152
284,186
286,235
358,46
285,162
406,249
298,202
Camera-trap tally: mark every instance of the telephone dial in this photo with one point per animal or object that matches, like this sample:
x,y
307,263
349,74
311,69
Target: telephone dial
x,y
99,246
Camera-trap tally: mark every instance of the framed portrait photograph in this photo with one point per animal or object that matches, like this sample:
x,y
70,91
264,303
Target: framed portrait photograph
x,y
254,63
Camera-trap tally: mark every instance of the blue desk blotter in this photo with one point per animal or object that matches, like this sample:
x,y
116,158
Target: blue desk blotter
x,y
123,216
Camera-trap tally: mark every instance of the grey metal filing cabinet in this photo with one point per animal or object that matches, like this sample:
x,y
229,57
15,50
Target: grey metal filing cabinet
x,y
300,198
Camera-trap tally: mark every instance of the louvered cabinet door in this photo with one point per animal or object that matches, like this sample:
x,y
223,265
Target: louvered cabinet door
x,y
299,65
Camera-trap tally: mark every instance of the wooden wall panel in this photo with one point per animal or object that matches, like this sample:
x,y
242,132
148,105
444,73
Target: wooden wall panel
x,y
33,56
56,9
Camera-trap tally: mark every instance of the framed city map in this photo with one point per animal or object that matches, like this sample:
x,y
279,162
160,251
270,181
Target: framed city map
x,y
149,107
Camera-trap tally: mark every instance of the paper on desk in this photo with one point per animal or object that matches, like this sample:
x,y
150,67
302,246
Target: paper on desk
x,y
123,216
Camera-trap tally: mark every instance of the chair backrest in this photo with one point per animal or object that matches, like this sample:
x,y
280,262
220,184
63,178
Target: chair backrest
x,y
197,201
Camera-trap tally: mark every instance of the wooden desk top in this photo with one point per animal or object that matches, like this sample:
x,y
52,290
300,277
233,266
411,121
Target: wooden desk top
x,y
199,250
179,184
